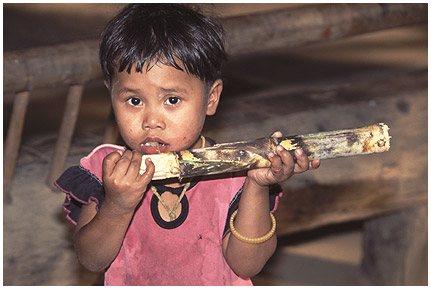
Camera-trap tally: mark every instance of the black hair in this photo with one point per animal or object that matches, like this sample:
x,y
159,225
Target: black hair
x,y
151,33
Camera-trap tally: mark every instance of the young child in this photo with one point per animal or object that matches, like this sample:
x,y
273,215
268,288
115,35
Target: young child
x,y
162,66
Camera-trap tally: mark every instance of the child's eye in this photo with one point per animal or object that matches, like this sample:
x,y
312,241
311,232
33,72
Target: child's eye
x,y
173,100
134,101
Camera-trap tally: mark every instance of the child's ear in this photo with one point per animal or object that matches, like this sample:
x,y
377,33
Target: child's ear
x,y
107,85
214,96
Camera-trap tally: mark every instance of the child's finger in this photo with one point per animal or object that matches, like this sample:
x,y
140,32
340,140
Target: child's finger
x,y
276,164
286,158
147,176
314,164
302,162
277,134
134,164
123,163
109,162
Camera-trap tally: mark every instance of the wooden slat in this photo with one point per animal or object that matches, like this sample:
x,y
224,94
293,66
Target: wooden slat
x,y
13,141
66,132
314,206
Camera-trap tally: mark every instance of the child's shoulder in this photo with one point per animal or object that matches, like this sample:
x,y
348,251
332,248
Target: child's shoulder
x,y
93,161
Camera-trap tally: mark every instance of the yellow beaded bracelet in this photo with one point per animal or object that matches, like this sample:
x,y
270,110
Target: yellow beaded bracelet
x,y
252,240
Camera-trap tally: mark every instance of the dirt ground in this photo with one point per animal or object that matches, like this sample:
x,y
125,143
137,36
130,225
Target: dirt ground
x,y
294,92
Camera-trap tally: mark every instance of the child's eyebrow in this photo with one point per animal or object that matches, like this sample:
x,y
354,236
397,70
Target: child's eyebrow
x,y
173,90
125,90
128,90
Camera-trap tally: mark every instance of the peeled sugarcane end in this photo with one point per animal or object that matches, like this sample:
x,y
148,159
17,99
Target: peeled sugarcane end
x,y
166,165
379,140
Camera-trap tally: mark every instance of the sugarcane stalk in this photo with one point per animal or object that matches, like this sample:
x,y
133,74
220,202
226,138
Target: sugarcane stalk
x,y
244,155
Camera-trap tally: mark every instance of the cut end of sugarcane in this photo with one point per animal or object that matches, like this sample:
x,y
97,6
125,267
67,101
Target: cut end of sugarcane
x,y
384,142
166,164
378,140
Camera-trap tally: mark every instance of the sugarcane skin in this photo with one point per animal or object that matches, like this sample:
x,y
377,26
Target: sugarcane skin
x,y
289,144
231,157
339,143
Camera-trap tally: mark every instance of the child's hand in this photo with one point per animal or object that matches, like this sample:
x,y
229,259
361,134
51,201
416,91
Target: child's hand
x,y
282,166
124,186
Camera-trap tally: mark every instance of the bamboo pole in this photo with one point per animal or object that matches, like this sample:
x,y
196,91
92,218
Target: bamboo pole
x,y
244,155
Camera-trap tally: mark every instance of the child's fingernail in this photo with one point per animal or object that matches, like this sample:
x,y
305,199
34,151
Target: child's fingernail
x,y
299,152
280,148
271,155
120,152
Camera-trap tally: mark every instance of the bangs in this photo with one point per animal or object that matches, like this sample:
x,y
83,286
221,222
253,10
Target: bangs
x,y
146,34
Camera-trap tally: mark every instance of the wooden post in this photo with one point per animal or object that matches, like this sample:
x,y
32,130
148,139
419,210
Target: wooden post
x,y
395,248
66,132
13,141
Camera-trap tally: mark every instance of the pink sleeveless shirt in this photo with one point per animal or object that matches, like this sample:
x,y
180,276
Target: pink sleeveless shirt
x,y
190,254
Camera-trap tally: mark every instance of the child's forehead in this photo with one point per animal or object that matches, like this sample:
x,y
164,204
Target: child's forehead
x,y
158,65
160,75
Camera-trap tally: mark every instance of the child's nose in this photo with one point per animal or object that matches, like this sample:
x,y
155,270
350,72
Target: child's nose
x,y
153,120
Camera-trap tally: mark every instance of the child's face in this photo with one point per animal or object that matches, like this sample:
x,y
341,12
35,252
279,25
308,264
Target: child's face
x,y
162,109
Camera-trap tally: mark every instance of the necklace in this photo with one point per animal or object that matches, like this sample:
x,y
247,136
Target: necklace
x,y
171,213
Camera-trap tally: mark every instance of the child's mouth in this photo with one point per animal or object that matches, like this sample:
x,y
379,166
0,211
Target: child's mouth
x,y
153,147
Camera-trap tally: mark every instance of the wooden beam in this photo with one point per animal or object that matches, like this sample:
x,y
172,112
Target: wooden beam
x,y
303,25
51,66
77,62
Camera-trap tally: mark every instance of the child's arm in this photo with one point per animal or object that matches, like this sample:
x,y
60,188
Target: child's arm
x,y
99,234
253,218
